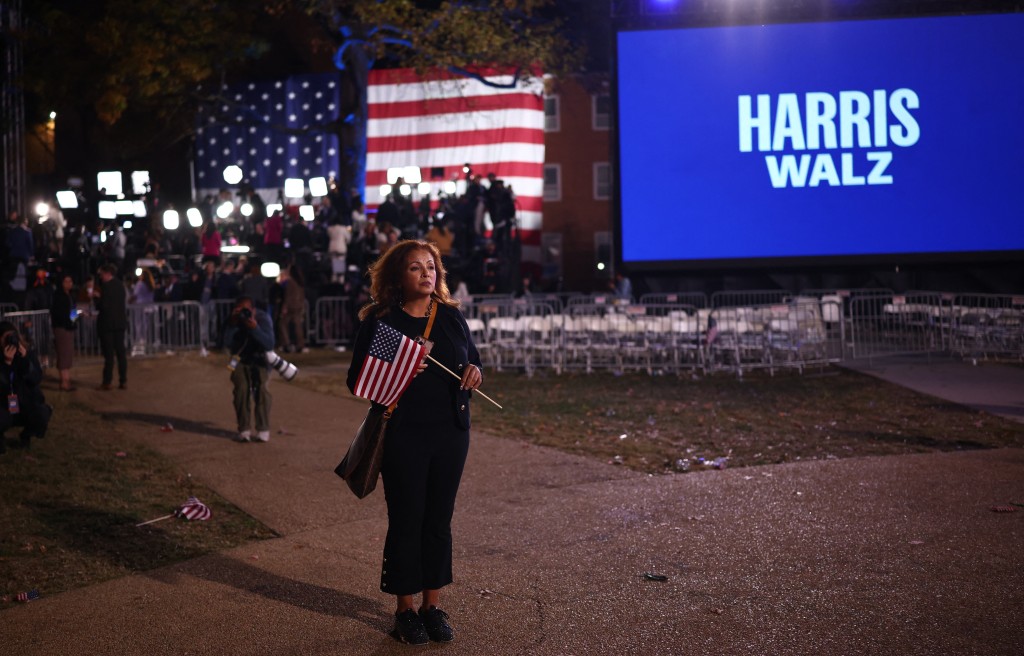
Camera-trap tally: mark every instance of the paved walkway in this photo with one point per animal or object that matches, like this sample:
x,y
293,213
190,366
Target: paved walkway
x,y
994,388
886,555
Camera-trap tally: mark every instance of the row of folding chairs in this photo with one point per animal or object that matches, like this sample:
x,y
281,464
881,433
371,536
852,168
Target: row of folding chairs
x,y
669,337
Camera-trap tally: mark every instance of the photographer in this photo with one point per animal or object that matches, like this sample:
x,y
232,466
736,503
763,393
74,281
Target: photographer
x,y
20,375
248,336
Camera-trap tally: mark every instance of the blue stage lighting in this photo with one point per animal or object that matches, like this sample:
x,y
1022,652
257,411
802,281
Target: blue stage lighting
x,y
662,6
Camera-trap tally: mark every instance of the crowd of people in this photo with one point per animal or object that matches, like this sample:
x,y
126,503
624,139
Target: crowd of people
x,y
326,256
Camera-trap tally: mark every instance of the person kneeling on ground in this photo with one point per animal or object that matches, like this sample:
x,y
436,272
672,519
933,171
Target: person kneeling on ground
x,y
20,375
248,336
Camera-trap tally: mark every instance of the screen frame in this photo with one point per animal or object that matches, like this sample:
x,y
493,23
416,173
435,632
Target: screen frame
x,y
800,15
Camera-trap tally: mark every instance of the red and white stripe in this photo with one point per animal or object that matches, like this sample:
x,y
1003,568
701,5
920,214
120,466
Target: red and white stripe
x,y
441,120
384,382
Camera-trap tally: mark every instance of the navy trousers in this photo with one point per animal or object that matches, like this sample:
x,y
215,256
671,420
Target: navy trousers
x,y
422,468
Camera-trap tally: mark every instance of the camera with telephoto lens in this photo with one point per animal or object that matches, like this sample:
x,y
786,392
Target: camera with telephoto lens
x,y
11,339
281,366
244,314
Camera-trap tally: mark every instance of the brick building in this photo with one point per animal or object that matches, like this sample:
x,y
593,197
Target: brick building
x,y
576,243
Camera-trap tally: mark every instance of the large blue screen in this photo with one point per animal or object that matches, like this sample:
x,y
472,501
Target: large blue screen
x,y
855,138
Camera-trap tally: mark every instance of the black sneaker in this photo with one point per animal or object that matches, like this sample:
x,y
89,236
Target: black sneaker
x,y
435,621
409,628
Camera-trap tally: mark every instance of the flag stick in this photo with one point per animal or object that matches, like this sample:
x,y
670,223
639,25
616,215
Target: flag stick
x,y
155,520
460,378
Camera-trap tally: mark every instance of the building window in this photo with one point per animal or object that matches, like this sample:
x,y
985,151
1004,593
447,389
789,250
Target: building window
x,y
601,111
602,181
551,119
552,182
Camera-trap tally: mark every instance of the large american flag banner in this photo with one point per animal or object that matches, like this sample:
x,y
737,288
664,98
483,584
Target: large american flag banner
x,y
443,121
389,365
273,130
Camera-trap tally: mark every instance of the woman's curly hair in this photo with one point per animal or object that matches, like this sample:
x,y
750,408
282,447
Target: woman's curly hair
x,y
386,279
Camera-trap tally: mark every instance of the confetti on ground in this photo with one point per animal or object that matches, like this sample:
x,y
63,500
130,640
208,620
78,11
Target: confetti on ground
x,y
166,428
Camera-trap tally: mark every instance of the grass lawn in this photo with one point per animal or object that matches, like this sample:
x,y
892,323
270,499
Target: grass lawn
x,y
666,424
68,514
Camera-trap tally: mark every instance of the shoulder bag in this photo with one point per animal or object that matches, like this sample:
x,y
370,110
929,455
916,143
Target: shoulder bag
x,y
360,468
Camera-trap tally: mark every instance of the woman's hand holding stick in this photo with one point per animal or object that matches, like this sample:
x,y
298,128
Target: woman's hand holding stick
x,y
460,378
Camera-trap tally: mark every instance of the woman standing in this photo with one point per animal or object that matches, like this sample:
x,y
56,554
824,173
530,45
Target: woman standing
x,y
61,311
428,433
211,244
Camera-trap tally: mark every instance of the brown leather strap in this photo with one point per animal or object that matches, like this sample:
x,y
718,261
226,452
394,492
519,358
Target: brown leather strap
x,y
430,322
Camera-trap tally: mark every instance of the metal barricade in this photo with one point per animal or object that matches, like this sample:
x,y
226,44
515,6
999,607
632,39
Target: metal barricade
x,y
517,333
671,334
8,308
693,299
746,298
87,340
794,334
214,316
334,322
900,324
987,326
163,327
34,327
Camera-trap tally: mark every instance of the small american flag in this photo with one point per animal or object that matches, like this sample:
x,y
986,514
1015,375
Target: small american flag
x,y
31,595
193,509
389,366
712,331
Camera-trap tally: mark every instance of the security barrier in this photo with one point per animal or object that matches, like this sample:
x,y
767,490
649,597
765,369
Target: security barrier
x,y
34,326
899,324
334,321
662,334
987,326
164,327
695,299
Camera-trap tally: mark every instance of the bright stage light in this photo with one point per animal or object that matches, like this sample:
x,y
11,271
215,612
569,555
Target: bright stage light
x,y
270,269
246,209
128,224
140,209
106,209
138,271
140,182
385,190
449,187
318,186
294,188
225,209
68,200
234,249
124,207
53,115
103,236
423,188
171,220
394,173
274,207
110,181
412,175
405,190
233,174
195,217
42,209
307,212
